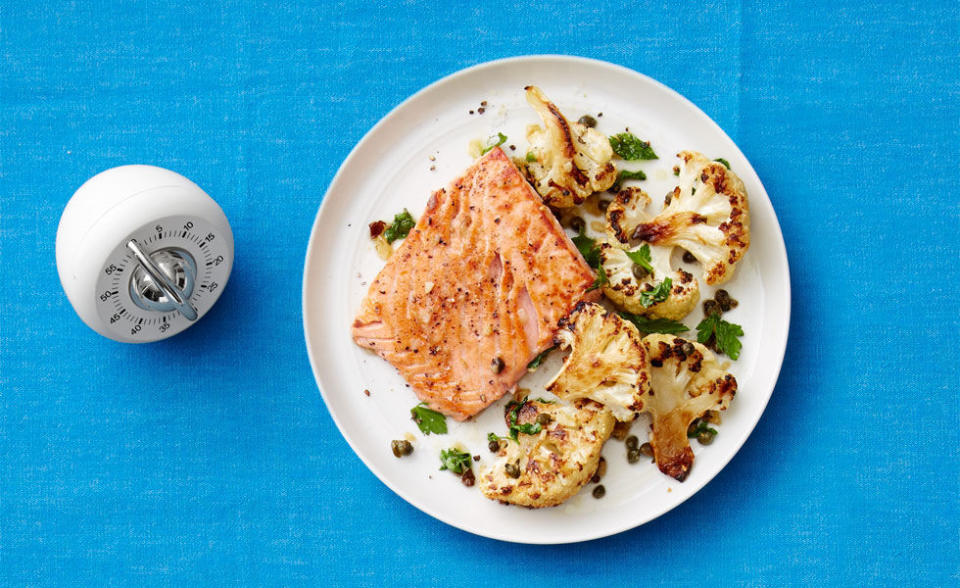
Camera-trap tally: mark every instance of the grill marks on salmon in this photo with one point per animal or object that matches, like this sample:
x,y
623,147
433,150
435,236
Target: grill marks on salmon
x,y
475,291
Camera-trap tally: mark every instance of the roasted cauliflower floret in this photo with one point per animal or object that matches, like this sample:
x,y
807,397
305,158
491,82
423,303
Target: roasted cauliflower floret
x,y
625,212
607,361
628,282
571,161
686,382
707,214
549,467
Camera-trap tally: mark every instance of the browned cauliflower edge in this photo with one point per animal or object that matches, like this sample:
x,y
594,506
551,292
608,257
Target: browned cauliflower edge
x,y
551,466
686,382
607,361
626,280
707,214
567,161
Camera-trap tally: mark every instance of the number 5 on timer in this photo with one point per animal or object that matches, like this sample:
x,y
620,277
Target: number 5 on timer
x,y
142,253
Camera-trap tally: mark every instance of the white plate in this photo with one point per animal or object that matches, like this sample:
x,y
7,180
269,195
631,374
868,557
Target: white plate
x,y
391,169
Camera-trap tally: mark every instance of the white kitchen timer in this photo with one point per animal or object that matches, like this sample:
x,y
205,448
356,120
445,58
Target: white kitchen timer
x,y
142,253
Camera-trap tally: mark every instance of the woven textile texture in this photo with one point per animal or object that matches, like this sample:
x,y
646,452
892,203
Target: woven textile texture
x,y
231,471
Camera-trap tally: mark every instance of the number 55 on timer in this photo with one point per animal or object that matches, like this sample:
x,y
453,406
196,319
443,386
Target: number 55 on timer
x,y
142,253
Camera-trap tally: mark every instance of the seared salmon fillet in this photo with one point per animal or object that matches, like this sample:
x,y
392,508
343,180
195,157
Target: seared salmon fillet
x,y
475,291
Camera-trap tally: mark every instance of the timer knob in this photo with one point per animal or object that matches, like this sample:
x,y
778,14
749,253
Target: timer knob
x,y
142,253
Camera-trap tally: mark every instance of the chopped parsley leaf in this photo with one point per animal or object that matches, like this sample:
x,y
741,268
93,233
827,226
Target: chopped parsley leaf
x,y
629,147
641,257
454,460
648,325
626,175
658,294
725,334
429,421
400,228
723,161
491,143
700,426
588,249
601,280
536,361
517,428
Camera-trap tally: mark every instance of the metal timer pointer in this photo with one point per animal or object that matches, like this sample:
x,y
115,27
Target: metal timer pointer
x,y
142,253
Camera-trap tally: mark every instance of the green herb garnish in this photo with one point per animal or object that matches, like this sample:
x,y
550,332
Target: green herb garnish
x,y
400,228
660,325
429,421
536,361
650,297
517,428
588,249
629,147
725,334
531,157
723,161
626,175
700,426
501,139
454,460
641,257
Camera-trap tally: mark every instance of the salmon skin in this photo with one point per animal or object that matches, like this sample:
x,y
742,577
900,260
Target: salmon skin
x,y
475,290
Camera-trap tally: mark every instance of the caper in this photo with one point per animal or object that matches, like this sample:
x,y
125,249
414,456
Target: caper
x,y
693,428
710,307
723,299
493,446
706,437
603,204
633,455
599,491
577,224
621,430
640,272
496,365
544,419
688,257
512,469
632,442
587,121
468,478
401,447
647,449
712,416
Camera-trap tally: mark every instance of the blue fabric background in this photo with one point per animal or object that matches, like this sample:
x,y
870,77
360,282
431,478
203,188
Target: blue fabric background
x,y
232,472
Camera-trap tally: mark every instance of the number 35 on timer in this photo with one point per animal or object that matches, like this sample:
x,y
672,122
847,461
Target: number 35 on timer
x,y
142,253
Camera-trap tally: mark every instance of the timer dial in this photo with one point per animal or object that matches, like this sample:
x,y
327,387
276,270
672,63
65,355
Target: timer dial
x,y
143,253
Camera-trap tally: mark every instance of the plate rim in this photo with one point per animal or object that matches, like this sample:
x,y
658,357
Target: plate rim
x,y
777,235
